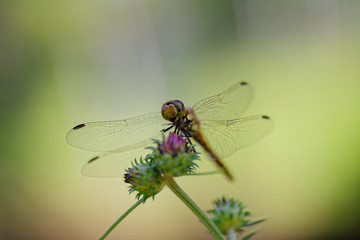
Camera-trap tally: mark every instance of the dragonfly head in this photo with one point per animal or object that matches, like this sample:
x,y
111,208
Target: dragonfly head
x,y
173,109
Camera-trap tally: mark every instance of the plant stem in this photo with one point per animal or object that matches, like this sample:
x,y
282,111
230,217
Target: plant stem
x,y
194,208
231,234
121,218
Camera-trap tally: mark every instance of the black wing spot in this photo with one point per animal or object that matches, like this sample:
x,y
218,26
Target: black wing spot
x,y
79,126
266,117
243,83
93,159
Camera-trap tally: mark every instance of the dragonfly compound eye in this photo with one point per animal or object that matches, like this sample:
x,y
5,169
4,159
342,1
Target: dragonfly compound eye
x,y
179,107
172,109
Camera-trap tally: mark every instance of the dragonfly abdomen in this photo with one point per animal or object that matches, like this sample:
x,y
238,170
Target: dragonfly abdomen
x,y
198,137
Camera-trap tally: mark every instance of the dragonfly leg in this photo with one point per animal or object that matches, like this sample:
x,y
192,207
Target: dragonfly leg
x,y
176,129
167,129
187,135
188,124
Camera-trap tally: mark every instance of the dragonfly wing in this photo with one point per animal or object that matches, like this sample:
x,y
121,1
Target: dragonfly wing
x,y
225,137
112,164
229,104
117,136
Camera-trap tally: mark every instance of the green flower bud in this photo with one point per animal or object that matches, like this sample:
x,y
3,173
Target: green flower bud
x,y
229,213
144,179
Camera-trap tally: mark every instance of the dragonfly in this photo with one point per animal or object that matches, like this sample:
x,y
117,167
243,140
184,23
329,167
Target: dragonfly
x,y
215,123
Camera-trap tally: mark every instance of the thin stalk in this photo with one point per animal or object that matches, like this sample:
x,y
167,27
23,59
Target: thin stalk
x,y
194,208
121,218
231,234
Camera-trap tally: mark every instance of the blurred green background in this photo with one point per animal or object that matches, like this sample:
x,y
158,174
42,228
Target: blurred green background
x,y
68,62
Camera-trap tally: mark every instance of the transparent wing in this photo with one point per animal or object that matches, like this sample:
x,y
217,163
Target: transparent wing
x,y
225,137
229,104
112,164
117,136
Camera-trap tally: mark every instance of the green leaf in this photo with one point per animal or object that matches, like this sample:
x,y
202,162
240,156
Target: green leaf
x,y
248,236
253,222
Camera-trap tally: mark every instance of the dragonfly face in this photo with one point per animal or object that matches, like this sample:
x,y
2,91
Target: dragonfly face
x,y
215,123
173,110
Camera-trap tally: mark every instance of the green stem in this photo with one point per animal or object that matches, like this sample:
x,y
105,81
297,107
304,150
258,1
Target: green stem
x,y
194,208
231,234
121,218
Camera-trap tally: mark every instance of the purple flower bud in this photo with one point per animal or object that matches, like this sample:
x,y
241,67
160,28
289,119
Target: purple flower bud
x,y
174,145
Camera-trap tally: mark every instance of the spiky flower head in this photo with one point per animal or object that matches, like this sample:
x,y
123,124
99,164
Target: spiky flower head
x,y
174,156
144,179
229,213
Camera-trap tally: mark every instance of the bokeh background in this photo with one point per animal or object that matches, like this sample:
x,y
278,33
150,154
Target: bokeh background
x,y
68,62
